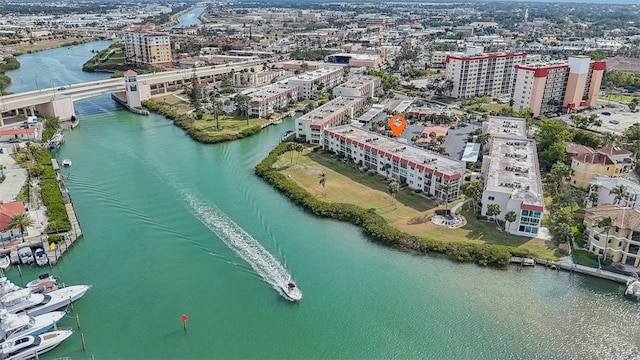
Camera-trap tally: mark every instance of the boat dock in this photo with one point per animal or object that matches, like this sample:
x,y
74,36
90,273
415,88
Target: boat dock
x,y
278,119
585,270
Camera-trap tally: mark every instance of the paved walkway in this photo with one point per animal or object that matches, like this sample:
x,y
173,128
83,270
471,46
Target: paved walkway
x,y
566,263
16,177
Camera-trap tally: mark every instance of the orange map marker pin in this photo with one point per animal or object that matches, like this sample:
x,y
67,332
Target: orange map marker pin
x,y
397,123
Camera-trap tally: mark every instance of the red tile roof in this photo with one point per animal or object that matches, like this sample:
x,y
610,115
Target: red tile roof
x,y
130,72
7,210
18,131
612,151
596,158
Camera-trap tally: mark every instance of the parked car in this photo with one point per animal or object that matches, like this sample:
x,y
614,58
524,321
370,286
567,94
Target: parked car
x,y
606,113
615,122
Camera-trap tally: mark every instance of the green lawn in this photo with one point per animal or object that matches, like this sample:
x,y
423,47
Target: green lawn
x,y
412,214
617,97
586,258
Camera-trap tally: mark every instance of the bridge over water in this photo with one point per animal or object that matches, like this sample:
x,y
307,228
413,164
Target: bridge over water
x,y
58,101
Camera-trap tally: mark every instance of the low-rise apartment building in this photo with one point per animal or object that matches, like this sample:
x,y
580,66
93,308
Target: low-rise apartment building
x,y
512,180
478,75
339,111
420,169
270,99
362,85
604,190
316,82
620,242
302,65
259,78
588,163
512,176
549,87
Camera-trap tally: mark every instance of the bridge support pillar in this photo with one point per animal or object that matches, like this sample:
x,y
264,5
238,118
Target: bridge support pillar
x,y
1,120
62,108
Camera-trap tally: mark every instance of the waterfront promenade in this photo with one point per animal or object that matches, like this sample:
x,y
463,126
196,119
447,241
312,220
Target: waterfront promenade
x,y
36,237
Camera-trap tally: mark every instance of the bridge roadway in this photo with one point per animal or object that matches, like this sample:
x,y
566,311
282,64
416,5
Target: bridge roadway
x,y
26,100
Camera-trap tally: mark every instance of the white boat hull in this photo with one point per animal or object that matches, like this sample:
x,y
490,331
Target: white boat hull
x,y
28,347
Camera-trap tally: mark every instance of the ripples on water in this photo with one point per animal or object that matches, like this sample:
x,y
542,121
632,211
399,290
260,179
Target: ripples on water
x,y
238,240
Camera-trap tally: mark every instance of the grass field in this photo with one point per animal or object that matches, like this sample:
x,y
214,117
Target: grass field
x,y
412,213
617,97
228,123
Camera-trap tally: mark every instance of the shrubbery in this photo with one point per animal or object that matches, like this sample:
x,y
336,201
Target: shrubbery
x,y
376,226
49,190
185,122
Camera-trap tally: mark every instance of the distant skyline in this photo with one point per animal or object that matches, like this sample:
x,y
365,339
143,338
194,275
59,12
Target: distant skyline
x,y
604,2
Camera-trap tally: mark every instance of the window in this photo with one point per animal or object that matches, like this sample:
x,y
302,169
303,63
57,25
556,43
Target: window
x,y
491,198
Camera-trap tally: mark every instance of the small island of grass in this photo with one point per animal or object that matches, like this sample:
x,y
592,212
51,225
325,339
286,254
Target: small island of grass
x,y
202,126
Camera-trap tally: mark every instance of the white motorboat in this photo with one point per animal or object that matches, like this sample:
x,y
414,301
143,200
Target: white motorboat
x,y
41,257
291,291
26,255
36,304
66,162
31,346
7,286
44,283
17,325
73,292
633,289
5,261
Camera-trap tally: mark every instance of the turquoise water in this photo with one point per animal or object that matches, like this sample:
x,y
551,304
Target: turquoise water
x,y
148,197
190,18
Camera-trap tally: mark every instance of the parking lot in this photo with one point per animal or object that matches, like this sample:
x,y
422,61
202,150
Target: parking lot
x,y
616,123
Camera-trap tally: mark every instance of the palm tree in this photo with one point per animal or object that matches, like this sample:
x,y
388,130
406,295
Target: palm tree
x,y
474,192
394,187
242,102
445,190
386,168
323,182
494,210
510,216
217,105
299,148
605,224
20,221
291,147
619,191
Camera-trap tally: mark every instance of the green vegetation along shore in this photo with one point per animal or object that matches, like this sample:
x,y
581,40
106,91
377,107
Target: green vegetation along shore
x,y
9,63
377,227
203,128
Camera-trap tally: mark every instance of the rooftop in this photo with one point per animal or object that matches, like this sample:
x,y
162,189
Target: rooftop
x,y
623,217
513,169
269,91
506,126
313,75
357,82
319,115
401,150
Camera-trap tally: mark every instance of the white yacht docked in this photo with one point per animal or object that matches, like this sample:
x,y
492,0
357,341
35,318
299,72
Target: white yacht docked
x,y
36,304
17,325
31,346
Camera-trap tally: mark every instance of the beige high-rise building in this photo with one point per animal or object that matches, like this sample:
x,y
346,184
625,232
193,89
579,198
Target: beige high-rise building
x,y
549,87
473,75
146,45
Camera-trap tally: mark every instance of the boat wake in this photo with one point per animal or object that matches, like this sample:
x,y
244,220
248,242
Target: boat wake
x,y
243,244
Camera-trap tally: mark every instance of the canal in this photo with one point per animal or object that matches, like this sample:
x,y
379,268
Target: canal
x,y
169,222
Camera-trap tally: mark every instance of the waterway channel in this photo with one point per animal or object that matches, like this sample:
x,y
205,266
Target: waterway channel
x,y
148,197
